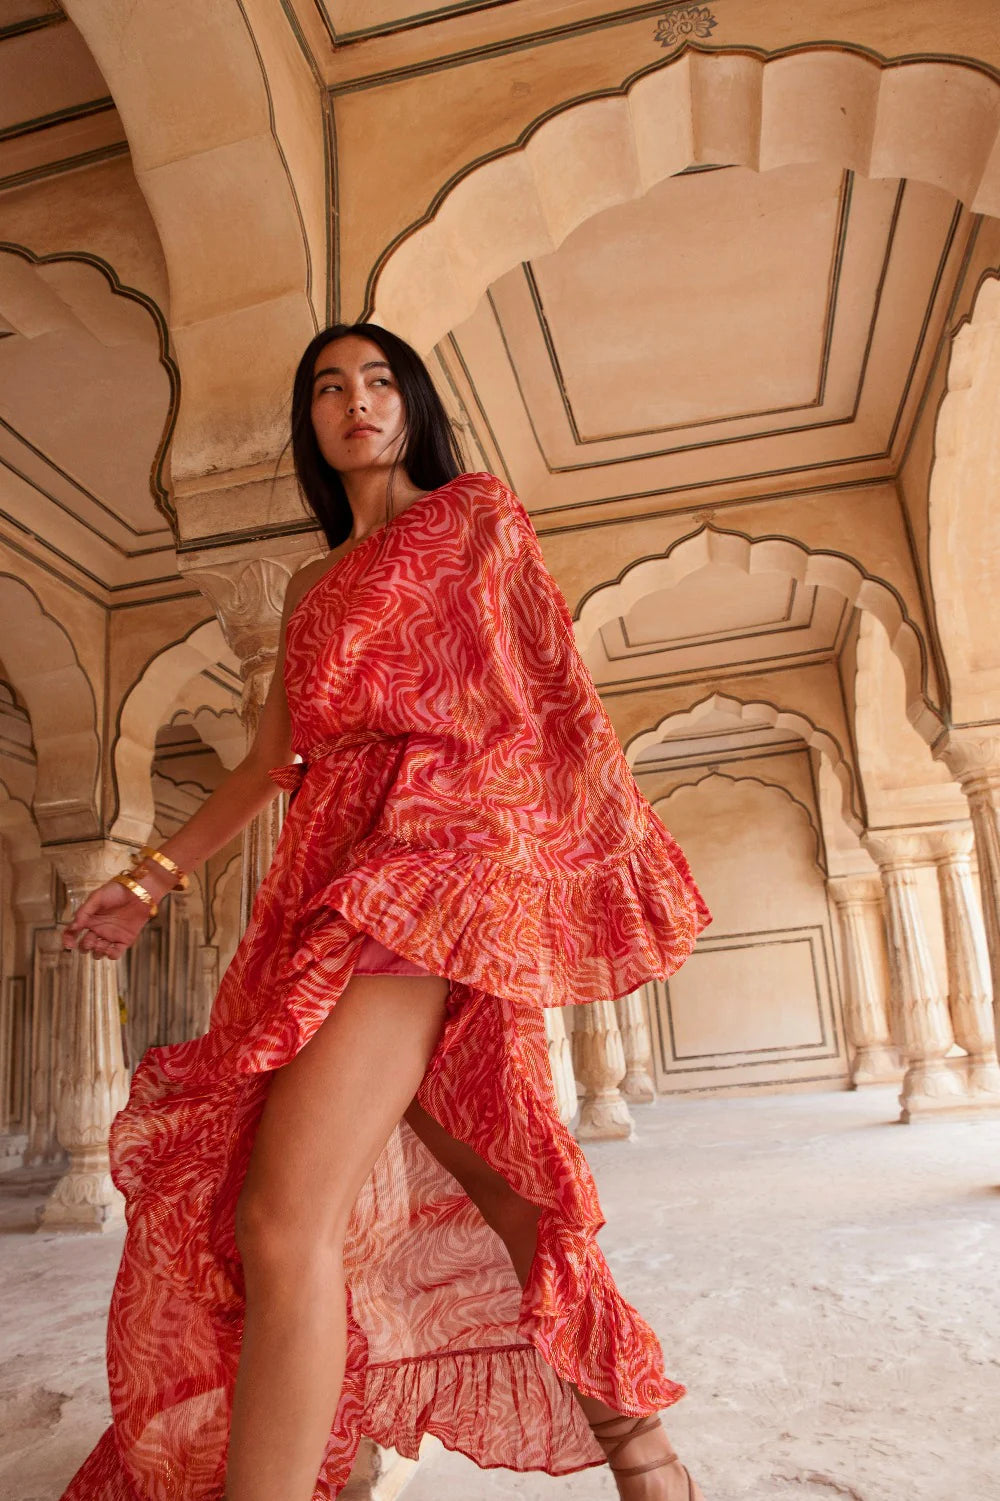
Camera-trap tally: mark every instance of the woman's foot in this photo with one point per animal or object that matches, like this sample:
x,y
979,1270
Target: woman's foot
x,y
643,1461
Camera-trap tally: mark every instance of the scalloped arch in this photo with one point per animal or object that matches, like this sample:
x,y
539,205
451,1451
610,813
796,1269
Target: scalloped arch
x,y
964,529
145,707
771,554
755,711
697,777
46,671
33,888
18,827
731,107
158,472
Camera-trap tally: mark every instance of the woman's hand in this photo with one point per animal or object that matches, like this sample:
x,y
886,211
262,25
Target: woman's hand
x,y
107,923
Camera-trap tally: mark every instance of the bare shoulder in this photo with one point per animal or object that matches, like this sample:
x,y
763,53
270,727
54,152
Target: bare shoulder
x,y
310,573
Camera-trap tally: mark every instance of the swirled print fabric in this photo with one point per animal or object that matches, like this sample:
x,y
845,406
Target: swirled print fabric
x,y
462,798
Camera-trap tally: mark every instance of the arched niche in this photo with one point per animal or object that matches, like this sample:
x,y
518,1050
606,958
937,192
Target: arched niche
x,y
148,704
782,555
696,775
724,107
45,669
965,517
757,1003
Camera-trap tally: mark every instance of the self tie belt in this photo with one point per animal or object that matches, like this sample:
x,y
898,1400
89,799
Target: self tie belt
x,y
291,776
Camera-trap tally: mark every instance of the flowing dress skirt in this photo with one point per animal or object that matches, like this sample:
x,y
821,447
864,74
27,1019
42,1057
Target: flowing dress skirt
x,y
442,1339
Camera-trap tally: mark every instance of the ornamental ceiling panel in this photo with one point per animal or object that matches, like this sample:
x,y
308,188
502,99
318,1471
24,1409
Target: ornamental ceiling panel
x,y
54,102
349,19
734,331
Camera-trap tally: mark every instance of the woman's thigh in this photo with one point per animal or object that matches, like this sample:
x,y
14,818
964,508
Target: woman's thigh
x,y
331,1110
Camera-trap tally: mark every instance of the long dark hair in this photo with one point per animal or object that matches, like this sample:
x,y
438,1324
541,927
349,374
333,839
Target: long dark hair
x,y
430,455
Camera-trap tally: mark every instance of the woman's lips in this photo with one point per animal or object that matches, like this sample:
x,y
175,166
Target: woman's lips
x,y
361,431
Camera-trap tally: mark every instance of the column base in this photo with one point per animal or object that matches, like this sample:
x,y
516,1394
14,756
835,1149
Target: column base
x,y
876,1065
962,1107
983,1076
378,1474
932,1087
637,1087
83,1203
605,1117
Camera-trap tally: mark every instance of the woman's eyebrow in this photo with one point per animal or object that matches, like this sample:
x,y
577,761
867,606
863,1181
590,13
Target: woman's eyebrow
x,y
336,370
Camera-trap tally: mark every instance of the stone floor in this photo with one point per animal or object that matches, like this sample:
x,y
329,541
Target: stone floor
x,y
826,1283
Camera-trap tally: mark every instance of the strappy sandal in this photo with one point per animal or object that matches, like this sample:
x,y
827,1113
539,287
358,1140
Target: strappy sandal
x,y
618,1442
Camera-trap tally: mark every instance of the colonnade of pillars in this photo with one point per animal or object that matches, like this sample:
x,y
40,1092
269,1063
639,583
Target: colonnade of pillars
x,y
603,1068
911,1030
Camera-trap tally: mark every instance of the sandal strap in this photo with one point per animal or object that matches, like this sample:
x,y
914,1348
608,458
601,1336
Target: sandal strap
x,y
620,1440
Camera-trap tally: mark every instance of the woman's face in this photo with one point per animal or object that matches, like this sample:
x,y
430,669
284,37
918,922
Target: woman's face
x,y
357,408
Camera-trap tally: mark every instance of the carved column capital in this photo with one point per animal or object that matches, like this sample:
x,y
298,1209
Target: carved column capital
x,y
248,596
953,842
972,756
857,890
87,865
898,850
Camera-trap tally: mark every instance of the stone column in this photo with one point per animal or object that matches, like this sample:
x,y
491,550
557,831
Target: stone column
x,y
248,597
637,1086
970,993
869,1035
930,1085
206,983
94,1082
179,967
43,1145
973,758
599,1056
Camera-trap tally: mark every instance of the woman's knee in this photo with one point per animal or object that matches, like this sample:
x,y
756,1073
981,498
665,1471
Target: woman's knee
x,y
279,1238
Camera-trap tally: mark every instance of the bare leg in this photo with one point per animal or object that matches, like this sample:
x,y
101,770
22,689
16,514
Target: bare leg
x,y
516,1223
328,1115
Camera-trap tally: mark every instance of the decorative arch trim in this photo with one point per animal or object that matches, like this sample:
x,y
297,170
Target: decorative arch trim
x,y
146,705
697,778
773,553
157,473
62,708
716,106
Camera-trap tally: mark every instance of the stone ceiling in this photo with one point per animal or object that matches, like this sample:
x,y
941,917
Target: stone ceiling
x,y
732,331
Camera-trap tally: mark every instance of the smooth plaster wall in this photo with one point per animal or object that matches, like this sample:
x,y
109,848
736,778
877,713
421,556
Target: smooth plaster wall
x,y
758,1002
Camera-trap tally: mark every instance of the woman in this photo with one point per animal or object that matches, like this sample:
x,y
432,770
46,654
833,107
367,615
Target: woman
x,y
352,1206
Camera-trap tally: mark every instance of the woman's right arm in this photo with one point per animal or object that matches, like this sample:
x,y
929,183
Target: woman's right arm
x,y
112,917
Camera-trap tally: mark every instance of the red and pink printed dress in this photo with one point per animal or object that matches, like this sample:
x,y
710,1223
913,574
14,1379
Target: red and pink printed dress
x,y
462,800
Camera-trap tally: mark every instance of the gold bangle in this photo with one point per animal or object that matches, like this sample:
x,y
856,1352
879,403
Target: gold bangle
x,y
148,853
124,879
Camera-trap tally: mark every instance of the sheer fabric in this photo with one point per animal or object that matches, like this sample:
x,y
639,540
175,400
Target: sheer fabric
x,y
462,801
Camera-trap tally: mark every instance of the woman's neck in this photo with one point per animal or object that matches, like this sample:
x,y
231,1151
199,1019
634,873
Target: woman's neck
x,y
372,498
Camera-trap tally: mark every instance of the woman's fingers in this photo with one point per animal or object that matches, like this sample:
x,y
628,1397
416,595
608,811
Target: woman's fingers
x,y
110,913
103,938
